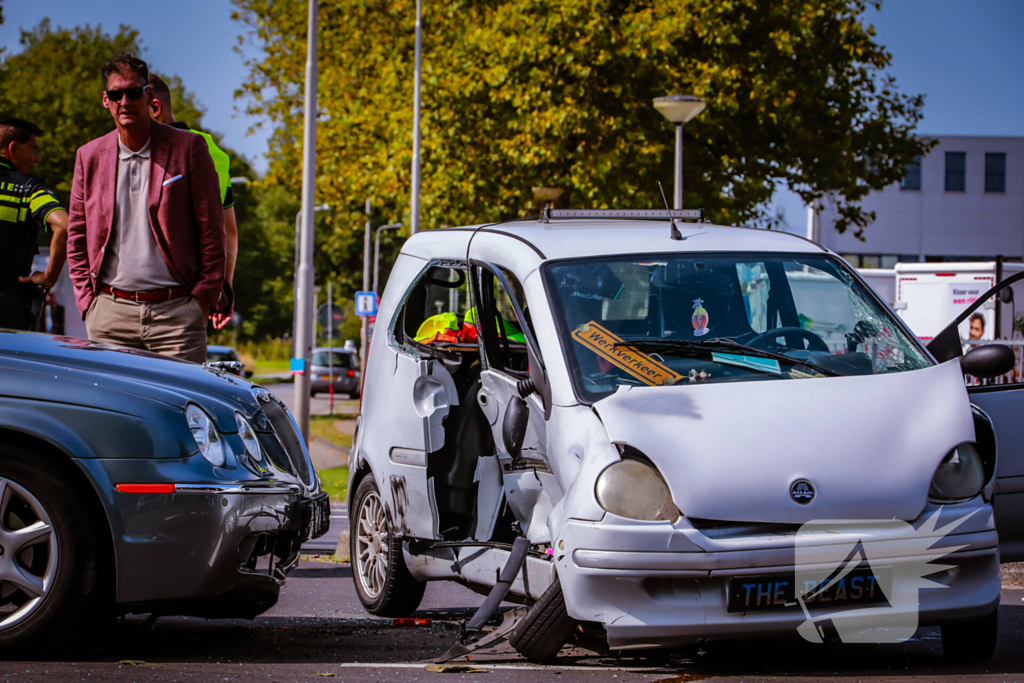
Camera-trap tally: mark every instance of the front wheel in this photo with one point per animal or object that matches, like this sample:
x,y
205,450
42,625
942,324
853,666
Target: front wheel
x,y
383,583
971,641
545,628
47,549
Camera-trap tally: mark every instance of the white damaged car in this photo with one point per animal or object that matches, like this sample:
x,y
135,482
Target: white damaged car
x,y
669,434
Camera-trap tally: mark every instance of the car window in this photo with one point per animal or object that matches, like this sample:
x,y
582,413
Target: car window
x,y
340,359
505,346
642,321
435,310
218,356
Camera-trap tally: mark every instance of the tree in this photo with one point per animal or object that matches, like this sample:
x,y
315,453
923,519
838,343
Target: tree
x,y
54,81
520,93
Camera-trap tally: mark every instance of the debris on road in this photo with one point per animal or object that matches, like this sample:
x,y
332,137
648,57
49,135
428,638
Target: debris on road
x,y
455,669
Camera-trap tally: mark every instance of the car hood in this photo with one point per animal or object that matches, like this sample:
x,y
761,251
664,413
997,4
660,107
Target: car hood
x,y
869,445
130,370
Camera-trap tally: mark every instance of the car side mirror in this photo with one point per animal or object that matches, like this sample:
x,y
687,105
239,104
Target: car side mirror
x,y
513,426
990,360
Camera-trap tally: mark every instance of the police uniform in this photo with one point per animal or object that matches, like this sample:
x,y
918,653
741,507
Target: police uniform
x,y
25,204
221,162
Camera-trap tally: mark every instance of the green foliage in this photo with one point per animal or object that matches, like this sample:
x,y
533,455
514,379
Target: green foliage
x,y
535,92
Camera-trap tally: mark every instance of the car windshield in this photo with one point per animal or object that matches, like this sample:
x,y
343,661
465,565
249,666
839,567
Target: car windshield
x,y
663,320
218,356
323,359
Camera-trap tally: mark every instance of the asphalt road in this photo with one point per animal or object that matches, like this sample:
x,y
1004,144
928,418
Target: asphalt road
x,y
318,405
318,630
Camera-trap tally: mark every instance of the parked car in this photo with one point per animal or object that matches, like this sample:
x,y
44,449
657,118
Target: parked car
x,y
637,425
344,363
137,483
227,358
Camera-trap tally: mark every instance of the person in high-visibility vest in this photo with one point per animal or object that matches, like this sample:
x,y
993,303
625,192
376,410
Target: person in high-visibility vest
x,y
26,205
160,109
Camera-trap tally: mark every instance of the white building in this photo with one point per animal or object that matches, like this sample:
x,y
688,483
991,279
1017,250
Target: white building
x,y
964,201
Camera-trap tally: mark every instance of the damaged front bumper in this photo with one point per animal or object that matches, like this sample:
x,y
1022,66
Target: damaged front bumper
x,y
209,549
653,584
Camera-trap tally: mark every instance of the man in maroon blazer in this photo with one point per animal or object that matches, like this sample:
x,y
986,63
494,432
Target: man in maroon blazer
x,y
146,245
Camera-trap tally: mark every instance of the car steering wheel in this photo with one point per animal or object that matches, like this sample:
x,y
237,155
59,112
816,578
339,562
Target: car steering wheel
x,y
814,342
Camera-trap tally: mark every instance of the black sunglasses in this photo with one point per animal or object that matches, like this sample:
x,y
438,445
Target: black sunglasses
x,y
132,93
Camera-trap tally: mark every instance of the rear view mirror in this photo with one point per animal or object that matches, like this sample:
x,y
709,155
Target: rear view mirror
x,y
990,360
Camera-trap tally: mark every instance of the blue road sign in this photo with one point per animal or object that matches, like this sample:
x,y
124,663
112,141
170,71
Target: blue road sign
x,y
366,304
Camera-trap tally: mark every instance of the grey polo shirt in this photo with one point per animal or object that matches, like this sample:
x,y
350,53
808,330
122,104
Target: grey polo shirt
x,y
133,261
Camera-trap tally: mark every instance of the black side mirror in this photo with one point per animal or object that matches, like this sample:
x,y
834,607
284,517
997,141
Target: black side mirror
x,y
513,427
990,360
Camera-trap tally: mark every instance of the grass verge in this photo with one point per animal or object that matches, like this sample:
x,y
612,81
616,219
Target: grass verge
x,y
335,482
323,427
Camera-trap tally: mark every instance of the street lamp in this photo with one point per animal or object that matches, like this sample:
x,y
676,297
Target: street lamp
x,y
414,204
679,109
295,286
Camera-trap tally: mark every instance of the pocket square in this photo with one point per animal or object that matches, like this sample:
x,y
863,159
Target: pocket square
x,y
171,180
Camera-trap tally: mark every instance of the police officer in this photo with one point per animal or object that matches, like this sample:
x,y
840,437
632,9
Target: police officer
x,y
160,109
25,206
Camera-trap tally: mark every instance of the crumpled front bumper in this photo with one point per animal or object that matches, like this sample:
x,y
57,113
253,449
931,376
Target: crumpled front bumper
x,y
208,549
652,584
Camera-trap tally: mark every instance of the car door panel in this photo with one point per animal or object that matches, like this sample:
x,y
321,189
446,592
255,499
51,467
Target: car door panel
x,y
1004,404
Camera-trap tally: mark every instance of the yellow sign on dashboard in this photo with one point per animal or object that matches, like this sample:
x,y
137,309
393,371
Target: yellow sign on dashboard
x,y
640,365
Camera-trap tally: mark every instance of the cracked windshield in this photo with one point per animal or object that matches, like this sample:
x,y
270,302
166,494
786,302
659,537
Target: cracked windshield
x,y
732,318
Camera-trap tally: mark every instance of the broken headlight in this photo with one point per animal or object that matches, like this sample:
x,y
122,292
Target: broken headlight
x,y
960,475
635,490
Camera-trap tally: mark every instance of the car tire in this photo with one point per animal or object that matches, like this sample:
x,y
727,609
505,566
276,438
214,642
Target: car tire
x,y
545,628
383,583
61,565
971,641
312,394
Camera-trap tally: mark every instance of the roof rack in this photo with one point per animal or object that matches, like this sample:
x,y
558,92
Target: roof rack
x,y
643,214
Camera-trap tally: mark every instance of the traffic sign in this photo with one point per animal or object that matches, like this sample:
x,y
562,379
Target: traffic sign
x,y
366,304
330,315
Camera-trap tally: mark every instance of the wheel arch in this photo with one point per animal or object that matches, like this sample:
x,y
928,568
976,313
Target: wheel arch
x,y
60,456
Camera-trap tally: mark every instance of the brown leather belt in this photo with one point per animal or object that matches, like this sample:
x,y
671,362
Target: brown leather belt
x,y
152,296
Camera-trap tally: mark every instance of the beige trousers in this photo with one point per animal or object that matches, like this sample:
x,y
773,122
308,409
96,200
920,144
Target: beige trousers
x,y
174,328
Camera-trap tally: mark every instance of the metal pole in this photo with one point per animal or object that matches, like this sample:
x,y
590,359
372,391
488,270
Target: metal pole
x,y
330,346
414,224
303,336
376,254
295,284
679,167
365,328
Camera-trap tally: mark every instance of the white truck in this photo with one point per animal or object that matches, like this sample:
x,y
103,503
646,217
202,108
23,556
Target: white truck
x,y
930,295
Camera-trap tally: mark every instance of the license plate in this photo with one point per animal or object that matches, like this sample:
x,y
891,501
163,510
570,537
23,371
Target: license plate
x,y
319,516
326,378
779,591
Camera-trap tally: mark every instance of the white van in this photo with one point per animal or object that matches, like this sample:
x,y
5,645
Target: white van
x,y
643,429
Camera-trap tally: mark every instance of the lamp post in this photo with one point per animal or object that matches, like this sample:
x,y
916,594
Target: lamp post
x,y
679,109
414,221
295,285
376,254
302,356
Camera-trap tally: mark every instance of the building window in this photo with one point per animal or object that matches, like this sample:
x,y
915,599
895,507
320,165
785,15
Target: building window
x,y
995,172
912,178
955,171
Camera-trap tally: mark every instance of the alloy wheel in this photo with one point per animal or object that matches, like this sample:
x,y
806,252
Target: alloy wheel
x,y
28,554
372,545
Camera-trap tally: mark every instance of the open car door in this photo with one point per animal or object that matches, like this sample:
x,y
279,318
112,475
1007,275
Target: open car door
x,y
513,376
1004,404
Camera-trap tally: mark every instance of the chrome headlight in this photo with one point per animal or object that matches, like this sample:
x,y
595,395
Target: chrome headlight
x,y
205,433
631,489
960,475
249,440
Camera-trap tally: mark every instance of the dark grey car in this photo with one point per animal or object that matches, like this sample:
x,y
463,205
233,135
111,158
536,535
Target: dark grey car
x,y
346,377
132,480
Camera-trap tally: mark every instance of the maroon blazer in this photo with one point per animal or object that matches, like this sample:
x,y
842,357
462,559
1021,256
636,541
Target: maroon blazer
x,y
185,213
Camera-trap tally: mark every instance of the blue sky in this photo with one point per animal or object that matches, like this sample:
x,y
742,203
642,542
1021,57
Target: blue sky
x,y
963,54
